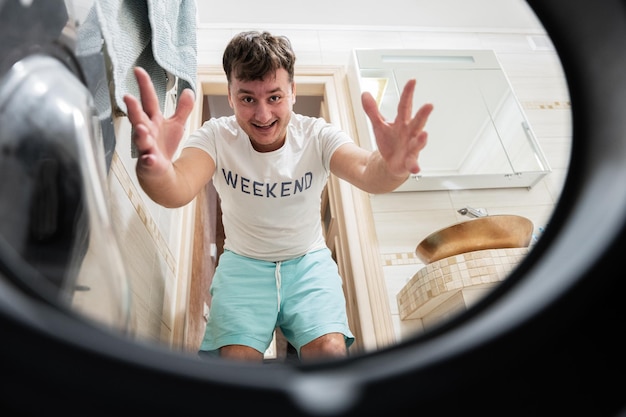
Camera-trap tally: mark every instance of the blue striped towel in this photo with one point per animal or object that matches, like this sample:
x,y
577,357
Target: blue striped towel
x,y
158,35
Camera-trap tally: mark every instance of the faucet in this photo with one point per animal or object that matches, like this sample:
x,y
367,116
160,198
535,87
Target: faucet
x,y
473,212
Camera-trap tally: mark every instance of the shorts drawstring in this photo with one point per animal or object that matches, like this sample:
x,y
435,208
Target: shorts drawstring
x,y
277,275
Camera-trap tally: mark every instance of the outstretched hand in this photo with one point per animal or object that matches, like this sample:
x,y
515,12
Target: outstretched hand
x,y
401,141
156,138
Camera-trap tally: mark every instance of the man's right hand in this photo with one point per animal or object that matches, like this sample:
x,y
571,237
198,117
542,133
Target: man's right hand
x,y
156,138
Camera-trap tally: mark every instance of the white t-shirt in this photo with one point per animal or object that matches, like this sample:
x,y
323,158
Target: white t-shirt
x,y
271,200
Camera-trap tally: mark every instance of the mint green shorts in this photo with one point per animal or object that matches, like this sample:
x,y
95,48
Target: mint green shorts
x,y
251,298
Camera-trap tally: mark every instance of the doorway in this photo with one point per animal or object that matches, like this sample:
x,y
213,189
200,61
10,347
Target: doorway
x,y
322,92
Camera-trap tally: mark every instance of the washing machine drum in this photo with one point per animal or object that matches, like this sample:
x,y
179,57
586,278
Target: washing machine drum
x,y
46,124
548,342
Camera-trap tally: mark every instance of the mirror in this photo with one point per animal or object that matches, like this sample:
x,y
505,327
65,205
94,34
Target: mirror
x,y
157,251
479,136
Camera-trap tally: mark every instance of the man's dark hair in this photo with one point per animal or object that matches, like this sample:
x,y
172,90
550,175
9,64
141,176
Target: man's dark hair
x,y
252,55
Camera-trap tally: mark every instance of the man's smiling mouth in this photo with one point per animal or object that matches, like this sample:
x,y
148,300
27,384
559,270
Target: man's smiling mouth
x,y
265,127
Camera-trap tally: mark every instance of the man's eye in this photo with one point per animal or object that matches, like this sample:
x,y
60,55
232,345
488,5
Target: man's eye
x,y
247,99
275,98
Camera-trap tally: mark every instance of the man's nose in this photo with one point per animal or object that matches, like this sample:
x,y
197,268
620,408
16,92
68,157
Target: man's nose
x,y
263,112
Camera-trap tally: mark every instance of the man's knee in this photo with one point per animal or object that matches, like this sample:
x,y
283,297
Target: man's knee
x,y
330,345
241,353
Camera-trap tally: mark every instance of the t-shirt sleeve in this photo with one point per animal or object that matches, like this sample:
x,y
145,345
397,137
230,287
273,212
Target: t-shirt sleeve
x,y
203,138
332,138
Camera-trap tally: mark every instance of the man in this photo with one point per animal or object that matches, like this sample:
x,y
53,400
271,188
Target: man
x,y
269,166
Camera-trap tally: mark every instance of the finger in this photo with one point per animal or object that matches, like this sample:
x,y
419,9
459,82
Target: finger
x,y
405,106
147,160
411,163
419,143
148,94
146,147
142,139
185,105
421,117
371,108
134,110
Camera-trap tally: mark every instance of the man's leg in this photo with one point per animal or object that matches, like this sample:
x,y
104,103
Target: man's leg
x,y
331,345
243,310
241,353
313,313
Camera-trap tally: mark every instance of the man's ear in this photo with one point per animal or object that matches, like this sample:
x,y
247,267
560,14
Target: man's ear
x,y
230,101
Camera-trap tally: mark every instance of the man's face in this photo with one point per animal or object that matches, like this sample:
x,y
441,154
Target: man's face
x,y
263,108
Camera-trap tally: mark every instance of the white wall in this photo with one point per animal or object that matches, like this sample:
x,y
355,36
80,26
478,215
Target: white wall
x,y
452,14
